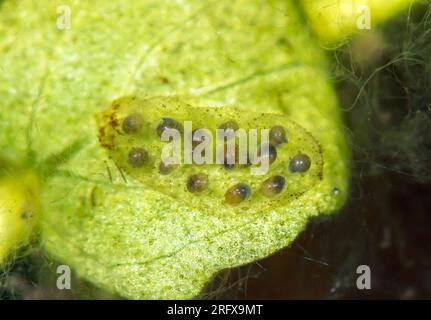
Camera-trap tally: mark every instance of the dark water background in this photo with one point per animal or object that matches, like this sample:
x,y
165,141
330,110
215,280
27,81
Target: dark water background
x,y
387,221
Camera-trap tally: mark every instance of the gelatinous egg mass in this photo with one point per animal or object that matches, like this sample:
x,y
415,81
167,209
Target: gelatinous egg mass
x,y
167,123
133,123
131,129
273,186
300,163
237,194
231,124
166,168
197,182
277,135
137,157
269,152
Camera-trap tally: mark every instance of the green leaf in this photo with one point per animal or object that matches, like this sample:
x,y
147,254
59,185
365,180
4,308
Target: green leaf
x,y
114,227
